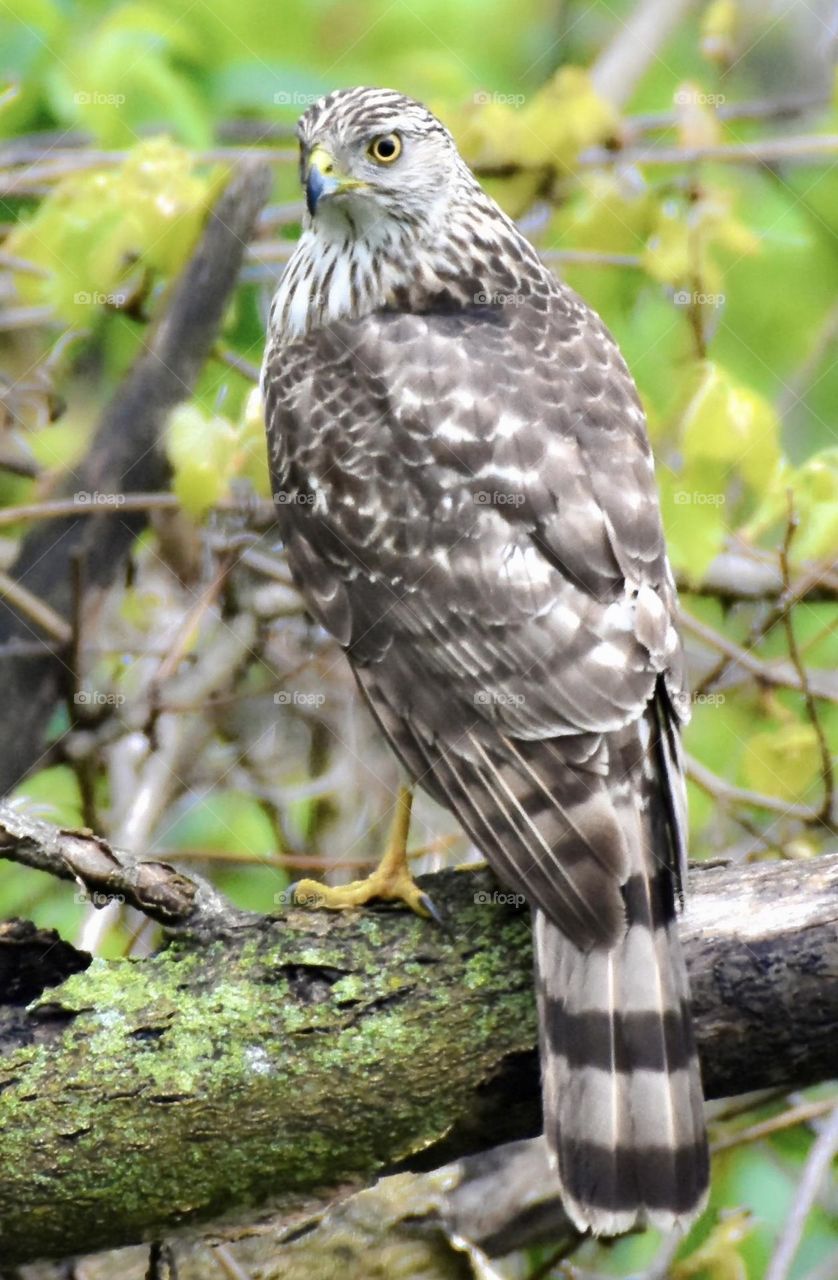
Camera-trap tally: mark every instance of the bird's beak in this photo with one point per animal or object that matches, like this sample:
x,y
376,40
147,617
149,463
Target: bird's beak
x,y
323,178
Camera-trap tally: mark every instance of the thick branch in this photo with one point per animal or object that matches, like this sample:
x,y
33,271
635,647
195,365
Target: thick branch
x,y
337,1047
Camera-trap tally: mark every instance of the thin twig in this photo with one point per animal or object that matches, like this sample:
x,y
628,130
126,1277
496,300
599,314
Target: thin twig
x,y
237,362
22,177
228,1264
802,148
785,1120
35,609
15,318
779,675
761,109
827,774
808,579
10,262
726,793
83,766
814,1172
745,573
123,504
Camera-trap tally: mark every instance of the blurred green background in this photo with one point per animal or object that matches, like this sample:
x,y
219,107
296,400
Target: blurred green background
x,y
676,164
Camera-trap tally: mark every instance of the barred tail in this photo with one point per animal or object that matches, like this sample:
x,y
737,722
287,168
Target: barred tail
x,y
623,1109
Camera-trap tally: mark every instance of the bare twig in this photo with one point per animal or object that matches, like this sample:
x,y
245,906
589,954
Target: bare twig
x,y
785,1120
228,1264
827,775
814,1172
147,770
811,577
21,176
760,109
746,573
774,674
126,503
37,611
726,793
802,149
234,361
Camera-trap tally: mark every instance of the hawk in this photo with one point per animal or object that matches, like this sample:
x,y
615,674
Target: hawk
x,y
466,494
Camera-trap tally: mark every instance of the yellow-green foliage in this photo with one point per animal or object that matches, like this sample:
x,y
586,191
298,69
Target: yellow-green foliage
x,y
95,230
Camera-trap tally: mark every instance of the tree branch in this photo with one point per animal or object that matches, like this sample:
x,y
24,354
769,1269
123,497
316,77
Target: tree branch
x,y
106,874
340,1046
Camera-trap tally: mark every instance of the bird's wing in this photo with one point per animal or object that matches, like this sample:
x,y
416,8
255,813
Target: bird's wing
x,y
482,497
470,507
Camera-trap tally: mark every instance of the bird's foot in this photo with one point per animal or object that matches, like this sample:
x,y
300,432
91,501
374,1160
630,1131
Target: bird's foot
x,y
386,884
390,882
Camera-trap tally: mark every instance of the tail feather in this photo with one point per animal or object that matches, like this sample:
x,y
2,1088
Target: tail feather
x,y
623,1106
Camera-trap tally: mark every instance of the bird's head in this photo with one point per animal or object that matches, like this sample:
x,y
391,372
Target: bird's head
x,y
368,156
395,217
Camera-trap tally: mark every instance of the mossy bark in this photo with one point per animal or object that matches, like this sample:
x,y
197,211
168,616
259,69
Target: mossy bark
x,y
307,1055
287,1063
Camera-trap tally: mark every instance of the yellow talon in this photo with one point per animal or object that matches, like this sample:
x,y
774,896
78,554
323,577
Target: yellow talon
x,y
390,882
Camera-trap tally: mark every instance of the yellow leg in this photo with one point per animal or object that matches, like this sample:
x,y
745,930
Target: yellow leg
x,y
390,882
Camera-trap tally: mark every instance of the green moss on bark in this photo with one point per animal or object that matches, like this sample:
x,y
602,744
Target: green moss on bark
x,y
302,1056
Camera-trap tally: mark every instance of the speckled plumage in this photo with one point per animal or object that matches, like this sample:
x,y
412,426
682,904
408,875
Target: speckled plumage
x,y
469,506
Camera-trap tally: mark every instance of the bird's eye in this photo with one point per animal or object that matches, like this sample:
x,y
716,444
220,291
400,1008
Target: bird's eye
x,y
385,149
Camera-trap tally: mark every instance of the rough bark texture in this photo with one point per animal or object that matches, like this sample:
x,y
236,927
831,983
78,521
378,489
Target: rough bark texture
x,y
307,1055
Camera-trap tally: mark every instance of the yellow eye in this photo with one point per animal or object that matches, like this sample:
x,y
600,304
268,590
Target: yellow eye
x,y
385,149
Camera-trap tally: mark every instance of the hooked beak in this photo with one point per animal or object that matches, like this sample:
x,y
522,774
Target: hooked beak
x,y
323,179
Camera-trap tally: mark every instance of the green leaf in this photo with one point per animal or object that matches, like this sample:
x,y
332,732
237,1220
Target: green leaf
x,y
783,762
727,423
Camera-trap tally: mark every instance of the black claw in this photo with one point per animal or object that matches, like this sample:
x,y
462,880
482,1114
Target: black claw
x,y
430,906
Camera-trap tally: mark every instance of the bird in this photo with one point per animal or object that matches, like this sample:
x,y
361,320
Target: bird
x,y
466,495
